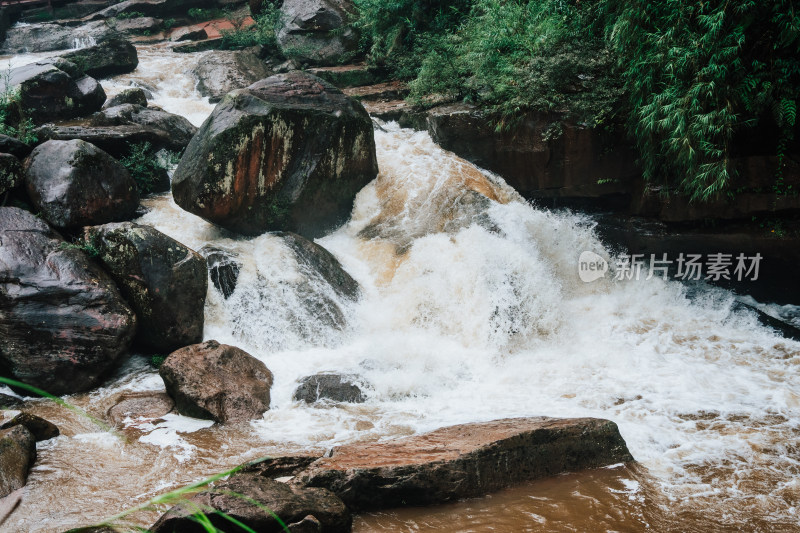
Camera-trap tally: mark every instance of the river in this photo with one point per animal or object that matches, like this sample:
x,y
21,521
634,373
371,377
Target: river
x,y
471,310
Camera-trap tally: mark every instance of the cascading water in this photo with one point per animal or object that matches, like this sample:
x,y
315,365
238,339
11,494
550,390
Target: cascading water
x,y
471,310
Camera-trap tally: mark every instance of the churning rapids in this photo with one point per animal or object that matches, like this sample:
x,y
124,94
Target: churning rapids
x,y
471,310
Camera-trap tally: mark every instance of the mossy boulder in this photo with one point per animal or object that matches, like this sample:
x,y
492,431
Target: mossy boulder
x,y
74,183
164,281
318,32
287,153
109,58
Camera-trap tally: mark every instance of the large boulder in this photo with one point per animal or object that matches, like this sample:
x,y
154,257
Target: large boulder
x,y
223,71
63,323
329,386
164,281
109,58
177,129
115,140
134,95
464,461
264,505
288,153
318,32
13,146
10,173
48,37
17,455
74,183
48,93
217,382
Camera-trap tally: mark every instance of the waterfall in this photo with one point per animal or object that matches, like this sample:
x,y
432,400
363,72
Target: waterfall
x,y
83,41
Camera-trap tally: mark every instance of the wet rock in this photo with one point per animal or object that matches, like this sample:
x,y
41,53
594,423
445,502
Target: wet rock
x,y
164,282
48,37
177,130
134,95
464,461
40,428
223,269
134,405
10,173
17,455
63,323
115,140
329,386
188,34
319,260
287,153
139,25
293,505
49,93
74,183
280,467
109,58
223,71
317,32
308,524
15,147
10,402
344,76
150,8
581,165
217,382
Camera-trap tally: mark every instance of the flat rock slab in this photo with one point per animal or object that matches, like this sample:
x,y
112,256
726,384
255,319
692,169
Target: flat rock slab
x,y
464,461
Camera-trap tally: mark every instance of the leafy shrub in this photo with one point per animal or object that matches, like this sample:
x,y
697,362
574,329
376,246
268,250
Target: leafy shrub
x,y
261,33
198,13
146,166
130,15
14,120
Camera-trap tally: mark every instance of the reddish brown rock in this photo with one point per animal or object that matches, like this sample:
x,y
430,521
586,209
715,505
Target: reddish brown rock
x,y
464,461
288,153
40,428
217,382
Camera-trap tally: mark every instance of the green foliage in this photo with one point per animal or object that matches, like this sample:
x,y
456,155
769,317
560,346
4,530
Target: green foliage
x,y
157,360
198,13
130,15
698,75
261,33
396,33
86,247
14,120
146,166
522,55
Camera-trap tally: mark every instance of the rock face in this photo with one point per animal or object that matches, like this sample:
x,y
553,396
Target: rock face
x,y
223,269
17,455
109,58
49,93
148,405
288,153
10,173
164,281
74,184
63,324
316,32
464,461
134,95
578,164
293,505
223,71
53,36
217,382
40,428
329,386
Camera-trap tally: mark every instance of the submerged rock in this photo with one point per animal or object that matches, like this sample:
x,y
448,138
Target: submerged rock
x,y
329,386
40,428
298,508
10,402
147,404
109,58
464,461
217,382
63,323
74,183
318,32
48,93
164,281
287,153
223,269
17,455
317,259
223,71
